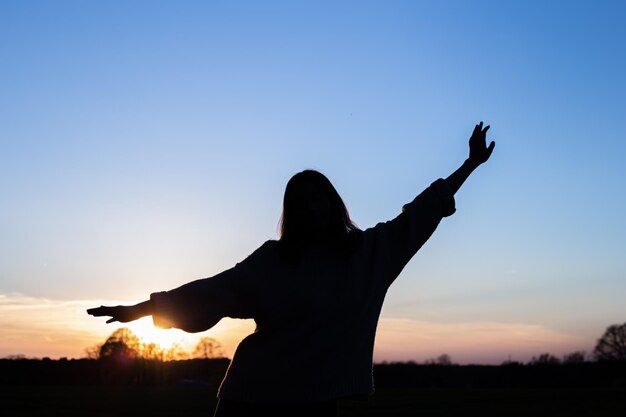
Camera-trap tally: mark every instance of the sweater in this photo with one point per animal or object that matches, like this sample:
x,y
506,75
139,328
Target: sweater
x,y
315,319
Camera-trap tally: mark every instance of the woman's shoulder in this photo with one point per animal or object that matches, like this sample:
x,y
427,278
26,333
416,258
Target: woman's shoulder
x,y
270,245
268,249
262,254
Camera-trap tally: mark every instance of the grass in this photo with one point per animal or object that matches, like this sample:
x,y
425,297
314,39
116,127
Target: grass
x,y
162,401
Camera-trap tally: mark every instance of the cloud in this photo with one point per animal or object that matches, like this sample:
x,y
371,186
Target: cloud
x,y
39,327
43,327
470,342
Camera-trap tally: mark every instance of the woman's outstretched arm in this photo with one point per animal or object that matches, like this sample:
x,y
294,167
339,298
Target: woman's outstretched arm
x,y
479,153
123,314
198,305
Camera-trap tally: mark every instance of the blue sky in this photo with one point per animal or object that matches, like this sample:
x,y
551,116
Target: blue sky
x,y
145,144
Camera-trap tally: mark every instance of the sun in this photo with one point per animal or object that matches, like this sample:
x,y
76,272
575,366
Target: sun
x,y
147,333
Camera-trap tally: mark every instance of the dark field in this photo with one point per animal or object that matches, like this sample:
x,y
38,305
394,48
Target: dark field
x,y
144,388
161,401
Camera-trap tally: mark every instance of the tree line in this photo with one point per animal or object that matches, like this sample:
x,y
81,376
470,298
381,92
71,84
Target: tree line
x,y
123,359
124,343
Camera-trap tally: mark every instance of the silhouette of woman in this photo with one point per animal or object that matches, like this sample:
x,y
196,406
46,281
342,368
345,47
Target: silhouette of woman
x,y
315,295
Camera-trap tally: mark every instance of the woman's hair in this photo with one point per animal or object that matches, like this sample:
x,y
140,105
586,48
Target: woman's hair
x,y
340,224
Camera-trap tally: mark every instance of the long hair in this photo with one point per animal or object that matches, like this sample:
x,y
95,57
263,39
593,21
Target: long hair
x,y
340,226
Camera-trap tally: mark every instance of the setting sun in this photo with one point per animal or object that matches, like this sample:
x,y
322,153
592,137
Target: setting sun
x,y
227,332
147,333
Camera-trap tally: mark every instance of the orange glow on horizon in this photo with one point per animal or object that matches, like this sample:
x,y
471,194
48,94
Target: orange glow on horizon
x,y
38,327
228,333
147,333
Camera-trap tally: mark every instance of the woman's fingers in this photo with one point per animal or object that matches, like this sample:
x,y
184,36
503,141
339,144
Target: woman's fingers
x,y
116,313
96,311
490,148
102,311
479,132
477,128
479,150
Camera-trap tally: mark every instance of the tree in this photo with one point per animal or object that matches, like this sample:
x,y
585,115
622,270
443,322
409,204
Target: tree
x,y
17,357
612,345
175,353
208,348
121,344
443,359
93,352
575,357
155,352
545,359
152,351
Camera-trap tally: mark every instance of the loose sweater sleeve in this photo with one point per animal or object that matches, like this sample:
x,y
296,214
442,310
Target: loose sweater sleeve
x,y
396,241
200,304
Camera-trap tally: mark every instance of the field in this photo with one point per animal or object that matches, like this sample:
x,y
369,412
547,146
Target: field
x,y
162,401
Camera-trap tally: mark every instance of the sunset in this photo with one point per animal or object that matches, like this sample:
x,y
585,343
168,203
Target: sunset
x,y
149,144
46,328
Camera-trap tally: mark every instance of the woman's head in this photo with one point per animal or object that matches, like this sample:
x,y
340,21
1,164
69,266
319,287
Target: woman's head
x,y
313,210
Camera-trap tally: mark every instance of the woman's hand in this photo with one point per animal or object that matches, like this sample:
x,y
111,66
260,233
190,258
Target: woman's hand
x,y
123,314
479,152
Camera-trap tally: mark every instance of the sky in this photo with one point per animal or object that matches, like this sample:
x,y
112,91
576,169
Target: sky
x,y
146,144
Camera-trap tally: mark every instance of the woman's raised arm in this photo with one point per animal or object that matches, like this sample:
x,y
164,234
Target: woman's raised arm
x,y
479,153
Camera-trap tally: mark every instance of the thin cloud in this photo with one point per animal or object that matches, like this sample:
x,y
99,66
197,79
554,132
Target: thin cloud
x,y
39,327
470,342
43,327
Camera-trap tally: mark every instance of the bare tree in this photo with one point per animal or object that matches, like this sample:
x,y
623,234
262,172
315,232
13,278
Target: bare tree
x,y
175,352
612,345
545,359
443,359
121,343
207,348
152,351
93,352
575,357
16,357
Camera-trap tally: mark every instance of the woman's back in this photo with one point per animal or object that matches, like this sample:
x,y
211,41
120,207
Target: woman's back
x,y
316,295
317,315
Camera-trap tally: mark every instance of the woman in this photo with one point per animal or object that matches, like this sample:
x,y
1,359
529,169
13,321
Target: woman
x,y
315,295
